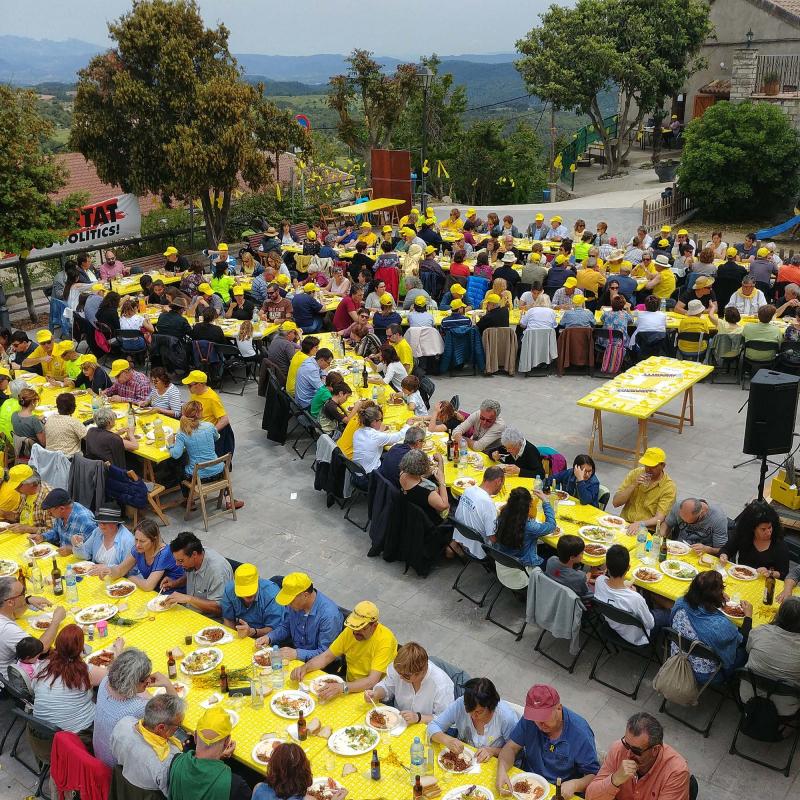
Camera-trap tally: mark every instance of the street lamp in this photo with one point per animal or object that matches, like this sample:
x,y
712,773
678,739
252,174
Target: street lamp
x,y
749,37
425,76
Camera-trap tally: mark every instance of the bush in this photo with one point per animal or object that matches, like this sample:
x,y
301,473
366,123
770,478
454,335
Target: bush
x,y
740,160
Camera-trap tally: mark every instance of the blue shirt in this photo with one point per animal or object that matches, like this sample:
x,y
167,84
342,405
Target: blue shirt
x,y
307,381
123,544
310,633
305,309
264,791
199,447
572,755
455,320
588,492
164,560
381,322
263,612
80,522
496,732
534,530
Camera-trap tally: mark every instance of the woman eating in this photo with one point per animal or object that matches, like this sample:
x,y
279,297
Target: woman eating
x,y
428,495
196,438
392,371
757,541
108,313
517,530
63,431
131,320
24,424
289,776
110,542
370,439
580,481
481,719
165,396
104,444
414,685
365,342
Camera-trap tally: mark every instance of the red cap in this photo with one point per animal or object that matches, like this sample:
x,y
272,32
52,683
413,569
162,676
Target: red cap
x,y
540,702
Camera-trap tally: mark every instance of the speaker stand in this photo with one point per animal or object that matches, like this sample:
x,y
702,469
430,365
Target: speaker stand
x,y
762,477
754,460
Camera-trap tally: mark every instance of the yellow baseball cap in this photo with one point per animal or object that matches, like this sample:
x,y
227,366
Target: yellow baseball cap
x,y
386,229
762,252
457,289
171,251
420,301
89,358
195,376
578,299
18,474
653,456
4,373
663,243
556,218
222,246
282,278
310,287
293,584
666,228
731,251
414,210
683,232
311,235
288,325
491,297
407,232
205,288
571,283
560,258
539,218
119,365
386,299
471,212
44,336
430,249
214,725
456,304
365,226
238,290
365,613
245,580
97,287
65,346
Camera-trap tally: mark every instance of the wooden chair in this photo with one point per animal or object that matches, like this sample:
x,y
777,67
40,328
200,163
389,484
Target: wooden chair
x,y
200,491
327,214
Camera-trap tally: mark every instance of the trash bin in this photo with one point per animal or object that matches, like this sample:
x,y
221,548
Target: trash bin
x,y
546,195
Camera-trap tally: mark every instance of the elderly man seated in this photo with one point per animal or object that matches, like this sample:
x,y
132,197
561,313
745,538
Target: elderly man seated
x,y
518,457
476,510
481,428
129,385
69,519
747,299
390,461
647,493
578,316
790,301
144,748
698,523
564,297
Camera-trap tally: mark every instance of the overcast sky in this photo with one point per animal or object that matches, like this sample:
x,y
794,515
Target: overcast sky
x,y
307,27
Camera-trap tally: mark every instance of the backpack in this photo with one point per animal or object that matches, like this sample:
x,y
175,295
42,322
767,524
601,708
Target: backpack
x,y
761,720
675,679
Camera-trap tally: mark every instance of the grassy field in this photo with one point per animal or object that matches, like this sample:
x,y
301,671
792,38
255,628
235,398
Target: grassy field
x,y
314,106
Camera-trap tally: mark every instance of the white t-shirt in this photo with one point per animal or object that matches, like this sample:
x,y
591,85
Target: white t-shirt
x,y
434,696
246,348
419,404
627,600
651,321
477,510
368,445
10,634
133,323
538,317
103,556
394,374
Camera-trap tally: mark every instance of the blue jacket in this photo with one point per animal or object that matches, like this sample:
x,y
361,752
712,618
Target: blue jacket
x,y
462,346
125,491
588,492
476,291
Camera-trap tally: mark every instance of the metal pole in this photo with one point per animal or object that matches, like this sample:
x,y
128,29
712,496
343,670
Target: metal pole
x,y
191,223
552,144
423,201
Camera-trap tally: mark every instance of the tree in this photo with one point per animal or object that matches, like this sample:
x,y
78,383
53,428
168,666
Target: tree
x,y
369,103
740,160
166,111
645,48
29,178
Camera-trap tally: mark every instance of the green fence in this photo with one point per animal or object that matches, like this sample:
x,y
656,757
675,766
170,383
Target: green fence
x,y
580,143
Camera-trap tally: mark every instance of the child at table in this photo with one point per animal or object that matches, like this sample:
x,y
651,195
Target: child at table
x,y
244,341
28,651
409,387
565,566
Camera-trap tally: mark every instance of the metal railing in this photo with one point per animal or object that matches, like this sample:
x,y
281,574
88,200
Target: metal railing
x,y
784,71
581,141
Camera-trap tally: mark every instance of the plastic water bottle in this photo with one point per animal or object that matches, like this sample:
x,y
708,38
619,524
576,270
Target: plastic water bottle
x,y
641,543
417,757
655,543
462,450
663,304
95,403
72,585
37,584
158,432
277,668
648,551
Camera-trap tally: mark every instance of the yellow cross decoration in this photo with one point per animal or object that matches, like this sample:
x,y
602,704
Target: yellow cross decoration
x,y
572,167
558,163
278,191
425,168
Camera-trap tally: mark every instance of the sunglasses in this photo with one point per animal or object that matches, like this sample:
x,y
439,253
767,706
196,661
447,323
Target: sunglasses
x,y
636,751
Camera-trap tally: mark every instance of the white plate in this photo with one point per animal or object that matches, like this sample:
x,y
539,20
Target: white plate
x,y
658,575
83,566
309,704
51,551
393,715
611,521
93,614
730,616
48,617
263,651
667,570
589,532
480,793
316,782
317,683
532,778
339,744
227,636
468,753
180,687
464,483
155,604
751,573
262,745
8,568
676,548
96,652
119,585
218,660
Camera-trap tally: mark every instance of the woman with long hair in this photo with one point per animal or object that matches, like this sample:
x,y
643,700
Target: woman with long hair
x,y
517,530
392,370
108,313
24,424
193,278
196,438
446,418
758,541
288,775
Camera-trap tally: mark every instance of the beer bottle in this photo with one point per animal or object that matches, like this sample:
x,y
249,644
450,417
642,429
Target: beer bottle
x,y
302,729
769,589
449,444
375,767
364,377
223,680
21,578
663,552
558,795
172,670
58,583
417,788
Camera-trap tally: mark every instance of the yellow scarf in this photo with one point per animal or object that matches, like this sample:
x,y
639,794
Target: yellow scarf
x,y
159,744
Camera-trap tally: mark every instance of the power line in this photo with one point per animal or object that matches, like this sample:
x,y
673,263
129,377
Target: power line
x,y
498,103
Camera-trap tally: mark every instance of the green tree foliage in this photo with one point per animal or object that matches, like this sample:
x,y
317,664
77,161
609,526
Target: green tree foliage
x,y
166,111
370,103
490,168
740,160
645,48
28,178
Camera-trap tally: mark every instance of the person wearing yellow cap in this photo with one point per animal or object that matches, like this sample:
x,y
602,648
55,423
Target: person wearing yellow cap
x,y
30,517
46,357
557,230
453,223
456,318
213,410
307,310
174,261
647,493
310,624
455,291
591,279
681,244
419,316
206,298
241,308
367,645
112,267
496,315
763,270
476,224
729,277
249,604
129,385
92,376
221,280
385,316
202,774
537,230
367,235
577,316
65,349
5,378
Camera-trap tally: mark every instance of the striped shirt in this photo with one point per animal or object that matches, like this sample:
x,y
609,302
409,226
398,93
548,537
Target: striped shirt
x,y
171,399
108,713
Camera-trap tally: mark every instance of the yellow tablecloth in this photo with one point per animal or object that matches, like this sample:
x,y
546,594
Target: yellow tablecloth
x,y
131,285
378,204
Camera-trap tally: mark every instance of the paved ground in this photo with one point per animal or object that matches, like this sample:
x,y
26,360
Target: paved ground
x,y
285,526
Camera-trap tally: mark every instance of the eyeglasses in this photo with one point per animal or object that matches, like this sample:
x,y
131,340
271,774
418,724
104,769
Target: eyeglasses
x,y
15,596
636,751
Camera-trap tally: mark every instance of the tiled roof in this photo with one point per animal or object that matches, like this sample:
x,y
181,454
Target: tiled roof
x,y
720,87
792,6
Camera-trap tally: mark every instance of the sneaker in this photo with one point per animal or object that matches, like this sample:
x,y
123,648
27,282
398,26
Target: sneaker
x,y
237,504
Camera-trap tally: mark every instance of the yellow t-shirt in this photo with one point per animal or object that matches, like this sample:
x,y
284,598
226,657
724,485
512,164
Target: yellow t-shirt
x,y
9,498
54,368
405,354
291,377
213,410
591,279
370,238
452,225
345,441
693,325
666,286
375,653
649,499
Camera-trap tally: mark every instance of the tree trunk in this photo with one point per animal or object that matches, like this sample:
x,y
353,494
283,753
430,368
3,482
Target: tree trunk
x,y
26,286
208,219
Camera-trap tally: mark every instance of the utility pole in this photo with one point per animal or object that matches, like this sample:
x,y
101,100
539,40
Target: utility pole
x,y
552,143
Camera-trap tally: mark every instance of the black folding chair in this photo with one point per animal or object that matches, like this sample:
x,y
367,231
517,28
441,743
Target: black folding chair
x,y
770,349
700,650
22,698
358,479
468,559
606,613
696,341
40,738
503,559
767,688
306,425
231,360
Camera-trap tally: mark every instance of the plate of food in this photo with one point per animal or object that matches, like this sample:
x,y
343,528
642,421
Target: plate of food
x,y
214,700
455,762
263,750
180,688
41,621
676,548
561,495
214,634
464,483
354,740
158,603
594,549
395,400
263,657
742,572
120,588
289,704
96,613
473,792
383,718
475,460
41,550
529,786
82,568
596,533
101,658
647,575
323,680
323,788
732,610
610,521
679,570
202,660
8,568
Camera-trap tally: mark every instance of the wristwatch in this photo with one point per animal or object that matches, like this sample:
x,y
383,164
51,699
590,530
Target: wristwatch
x,y
345,689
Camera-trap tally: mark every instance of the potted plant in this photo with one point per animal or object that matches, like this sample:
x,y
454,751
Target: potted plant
x,y
666,170
771,84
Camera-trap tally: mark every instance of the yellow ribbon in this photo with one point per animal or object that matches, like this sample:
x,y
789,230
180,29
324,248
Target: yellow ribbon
x,y
425,168
278,191
441,170
572,167
159,744
559,162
